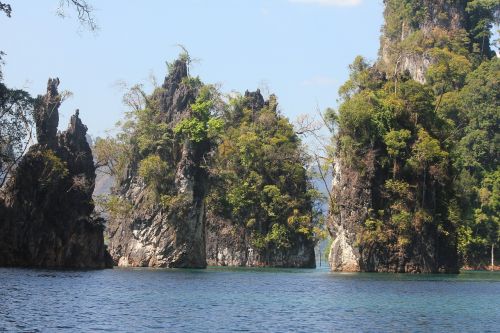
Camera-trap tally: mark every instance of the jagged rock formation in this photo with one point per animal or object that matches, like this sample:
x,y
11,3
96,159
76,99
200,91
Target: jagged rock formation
x,y
152,235
229,240
158,207
47,115
46,217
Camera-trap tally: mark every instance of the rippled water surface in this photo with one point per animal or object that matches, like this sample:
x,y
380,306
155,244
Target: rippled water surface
x,y
247,300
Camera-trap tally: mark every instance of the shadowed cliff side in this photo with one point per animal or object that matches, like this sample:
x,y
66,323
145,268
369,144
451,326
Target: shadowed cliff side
x,y
47,210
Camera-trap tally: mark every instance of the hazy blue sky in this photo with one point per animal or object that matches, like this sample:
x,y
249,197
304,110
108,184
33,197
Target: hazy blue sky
x,y
300,49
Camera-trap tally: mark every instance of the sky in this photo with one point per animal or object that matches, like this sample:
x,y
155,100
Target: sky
x,y
297,49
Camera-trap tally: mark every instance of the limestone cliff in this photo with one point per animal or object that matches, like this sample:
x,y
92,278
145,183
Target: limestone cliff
x,y
352,192
154,234
47,216
357,195
414,33
412,29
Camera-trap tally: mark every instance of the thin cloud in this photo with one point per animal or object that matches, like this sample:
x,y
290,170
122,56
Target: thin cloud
x,y
319,81
339,3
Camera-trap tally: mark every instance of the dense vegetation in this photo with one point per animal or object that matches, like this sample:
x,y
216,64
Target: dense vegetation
x,y
259,178
435,144
405,29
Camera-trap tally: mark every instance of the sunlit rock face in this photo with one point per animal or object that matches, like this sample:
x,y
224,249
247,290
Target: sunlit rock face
x,y
47,218
433,18
152,236
352,192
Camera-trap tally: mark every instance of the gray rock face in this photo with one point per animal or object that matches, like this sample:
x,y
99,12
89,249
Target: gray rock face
x,y
352,197
229,244
441,14
47,116
47,211
152,235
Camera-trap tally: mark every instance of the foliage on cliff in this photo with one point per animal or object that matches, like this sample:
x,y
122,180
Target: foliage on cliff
x,y
435,144
259,179
424,26
146,142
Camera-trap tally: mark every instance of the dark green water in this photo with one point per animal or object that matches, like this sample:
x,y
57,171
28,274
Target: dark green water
x,y
246,300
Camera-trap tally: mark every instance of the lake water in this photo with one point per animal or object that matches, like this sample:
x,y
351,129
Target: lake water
x,y
246,300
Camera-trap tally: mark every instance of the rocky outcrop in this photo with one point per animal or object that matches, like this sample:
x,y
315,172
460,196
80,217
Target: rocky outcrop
x,y
351,203
358,186
229,244
47,115
151,234
429,18
254,100
47,219
356,195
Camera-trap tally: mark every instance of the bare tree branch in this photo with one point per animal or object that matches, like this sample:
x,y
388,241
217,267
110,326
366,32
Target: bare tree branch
x,y
6,8
323,177
307,125
84,10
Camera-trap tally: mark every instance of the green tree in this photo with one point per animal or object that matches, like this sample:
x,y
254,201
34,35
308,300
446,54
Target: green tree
x,y
16,122
154,171
475,159
202,125
396,142
483,14
259,178
448,72
427,154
